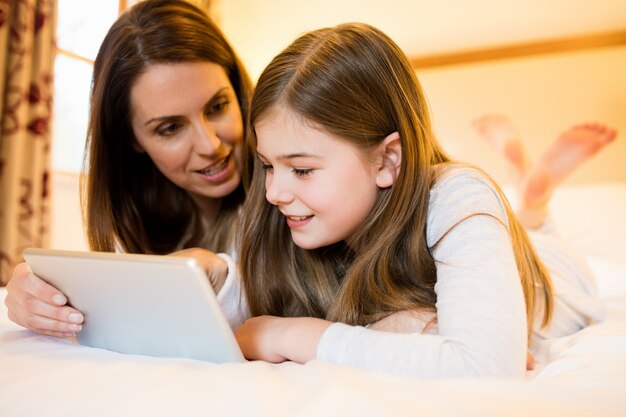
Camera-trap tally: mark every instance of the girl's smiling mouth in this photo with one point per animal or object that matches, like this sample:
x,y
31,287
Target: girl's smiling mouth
x,y
298,221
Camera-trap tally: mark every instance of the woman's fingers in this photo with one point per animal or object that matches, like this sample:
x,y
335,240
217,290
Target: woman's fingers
x,y
214,266
45,325
38,306
29,283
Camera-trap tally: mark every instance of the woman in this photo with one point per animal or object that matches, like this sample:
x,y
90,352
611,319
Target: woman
x,y
168,101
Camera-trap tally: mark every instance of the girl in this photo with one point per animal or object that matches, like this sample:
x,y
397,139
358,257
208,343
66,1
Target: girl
x,y
365,245
163,159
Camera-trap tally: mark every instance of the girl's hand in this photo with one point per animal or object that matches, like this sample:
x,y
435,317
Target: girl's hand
x,y
277,339
38,306
214,266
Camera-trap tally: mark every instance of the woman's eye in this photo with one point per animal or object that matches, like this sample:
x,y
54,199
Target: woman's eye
x,y
219,106
302,172
168,129
265,166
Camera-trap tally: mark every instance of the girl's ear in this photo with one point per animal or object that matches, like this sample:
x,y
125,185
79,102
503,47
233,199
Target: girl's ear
x,y
390,152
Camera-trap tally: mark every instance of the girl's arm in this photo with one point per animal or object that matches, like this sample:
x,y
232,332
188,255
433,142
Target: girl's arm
x,y
481,328
481,315
277,339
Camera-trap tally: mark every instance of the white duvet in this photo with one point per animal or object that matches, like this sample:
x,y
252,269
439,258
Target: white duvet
x,y
579,375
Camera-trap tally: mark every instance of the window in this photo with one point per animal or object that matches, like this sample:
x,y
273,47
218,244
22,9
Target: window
x,y
81,27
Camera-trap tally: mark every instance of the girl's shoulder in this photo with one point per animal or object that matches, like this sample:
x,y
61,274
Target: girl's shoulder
x,y
459,176
460,192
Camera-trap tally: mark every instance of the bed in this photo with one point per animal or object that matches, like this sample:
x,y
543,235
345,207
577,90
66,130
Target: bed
x,y
580,375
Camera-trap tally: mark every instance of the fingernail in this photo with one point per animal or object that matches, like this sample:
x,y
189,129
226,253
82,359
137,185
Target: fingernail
x,y
59,299
75,327
76,318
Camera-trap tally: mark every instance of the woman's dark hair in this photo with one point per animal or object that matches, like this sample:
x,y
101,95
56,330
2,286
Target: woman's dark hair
x,y
128,203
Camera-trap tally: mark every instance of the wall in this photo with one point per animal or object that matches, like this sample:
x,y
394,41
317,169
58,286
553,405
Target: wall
x,y
543,94
259,29
67,226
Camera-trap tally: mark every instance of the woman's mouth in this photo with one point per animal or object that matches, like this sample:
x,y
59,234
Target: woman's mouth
x,y
218,172
215,168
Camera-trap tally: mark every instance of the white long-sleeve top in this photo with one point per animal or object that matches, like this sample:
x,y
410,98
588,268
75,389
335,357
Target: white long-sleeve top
x,y
480,303
481,316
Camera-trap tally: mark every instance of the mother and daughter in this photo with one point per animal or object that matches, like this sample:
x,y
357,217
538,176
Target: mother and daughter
x,y
360,241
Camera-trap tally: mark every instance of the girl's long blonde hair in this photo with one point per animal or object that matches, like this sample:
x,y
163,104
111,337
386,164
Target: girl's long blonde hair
x,y
354,82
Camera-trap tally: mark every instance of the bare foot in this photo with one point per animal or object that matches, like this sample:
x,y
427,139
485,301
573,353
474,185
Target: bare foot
x,y
563,156
500,132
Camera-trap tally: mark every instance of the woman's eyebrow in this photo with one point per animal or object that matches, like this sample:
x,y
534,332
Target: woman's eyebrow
x,y
161,118
218,93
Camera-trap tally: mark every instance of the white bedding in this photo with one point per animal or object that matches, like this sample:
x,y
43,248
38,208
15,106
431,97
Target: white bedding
x,y
580,375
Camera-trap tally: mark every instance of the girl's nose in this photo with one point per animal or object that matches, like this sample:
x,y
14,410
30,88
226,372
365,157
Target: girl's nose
x,y
276,190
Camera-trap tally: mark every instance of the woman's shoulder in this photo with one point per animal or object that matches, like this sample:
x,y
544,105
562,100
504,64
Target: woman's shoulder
x,y
459,192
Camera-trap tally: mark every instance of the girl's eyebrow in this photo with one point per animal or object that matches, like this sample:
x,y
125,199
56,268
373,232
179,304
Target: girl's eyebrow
x,y
292,156
160,118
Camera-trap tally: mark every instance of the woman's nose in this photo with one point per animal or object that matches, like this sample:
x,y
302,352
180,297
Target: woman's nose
x,y
207,141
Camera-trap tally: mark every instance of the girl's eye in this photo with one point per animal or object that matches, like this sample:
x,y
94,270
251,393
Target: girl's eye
x,y
265,166
302,172
167,129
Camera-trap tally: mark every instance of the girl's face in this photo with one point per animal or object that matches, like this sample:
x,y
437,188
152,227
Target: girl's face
x,y
186,117
323,185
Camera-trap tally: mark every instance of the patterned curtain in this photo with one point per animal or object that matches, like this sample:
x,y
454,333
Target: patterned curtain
x,y
27,29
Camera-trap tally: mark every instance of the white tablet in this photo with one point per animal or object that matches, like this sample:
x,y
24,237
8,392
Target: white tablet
x,y
140,304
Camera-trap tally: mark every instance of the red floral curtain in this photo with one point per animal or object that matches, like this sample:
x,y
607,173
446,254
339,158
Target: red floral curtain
x,y
27,29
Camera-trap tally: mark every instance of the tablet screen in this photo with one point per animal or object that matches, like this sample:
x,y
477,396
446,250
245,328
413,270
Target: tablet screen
x,y
140,304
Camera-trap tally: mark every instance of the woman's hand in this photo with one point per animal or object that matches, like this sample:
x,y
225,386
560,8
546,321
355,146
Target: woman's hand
x,y
277,339
215,267
38,306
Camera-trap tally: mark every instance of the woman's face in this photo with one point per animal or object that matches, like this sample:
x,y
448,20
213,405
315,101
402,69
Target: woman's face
x,y
186,117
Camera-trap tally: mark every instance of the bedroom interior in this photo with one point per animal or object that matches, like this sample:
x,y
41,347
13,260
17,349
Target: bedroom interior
x,y
545,65
546,75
